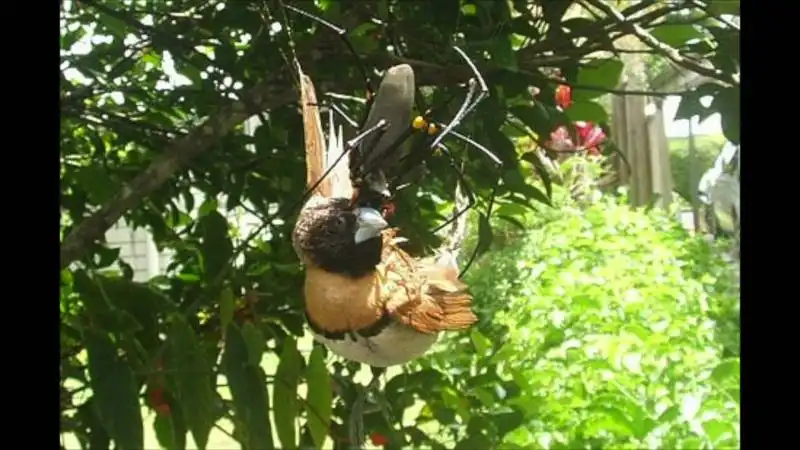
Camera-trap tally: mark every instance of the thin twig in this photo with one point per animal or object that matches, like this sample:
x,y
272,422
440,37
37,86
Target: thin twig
x,y
659,47
226,432
704,6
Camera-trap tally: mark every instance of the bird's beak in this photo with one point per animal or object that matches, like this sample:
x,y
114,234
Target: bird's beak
x,y
369,224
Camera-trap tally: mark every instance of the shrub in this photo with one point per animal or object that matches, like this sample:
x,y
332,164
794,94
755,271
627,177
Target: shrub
x,y
602,328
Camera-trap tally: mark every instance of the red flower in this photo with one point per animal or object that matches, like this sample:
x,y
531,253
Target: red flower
x,y
589,136
162,409
157,401
379,439
563,96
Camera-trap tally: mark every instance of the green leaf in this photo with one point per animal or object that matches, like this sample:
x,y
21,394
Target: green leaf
x,y
716,429
485,235
615,419
676,34
248,386
256,344
512,210
726,371
538,117
507,421
194,379
287,408
216,247
105,256
727,7
689,107
727,103
96,182
208,206
669,415
94,299
503,54
469,10
226,307
116,26
116,321
602,74
89,415
587,111
482,344
534,158
97,143
531,193
115,391
165,431
320,397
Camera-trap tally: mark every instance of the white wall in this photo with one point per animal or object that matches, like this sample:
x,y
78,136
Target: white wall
x,y
138,250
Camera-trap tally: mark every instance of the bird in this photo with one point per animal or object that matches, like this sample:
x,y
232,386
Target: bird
x,y
366,299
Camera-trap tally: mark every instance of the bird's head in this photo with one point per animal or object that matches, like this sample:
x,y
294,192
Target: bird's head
x,y
341,236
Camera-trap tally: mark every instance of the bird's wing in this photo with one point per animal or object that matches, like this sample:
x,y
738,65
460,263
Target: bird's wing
x,y
424,294
434,298
314,140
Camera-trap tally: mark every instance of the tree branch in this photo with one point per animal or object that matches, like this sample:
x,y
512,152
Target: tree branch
x,y
182,150
660,47
263,97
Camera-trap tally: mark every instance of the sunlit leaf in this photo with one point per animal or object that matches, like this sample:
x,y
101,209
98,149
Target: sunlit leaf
x,y
248,387
115,391
285,403
193,376
320,397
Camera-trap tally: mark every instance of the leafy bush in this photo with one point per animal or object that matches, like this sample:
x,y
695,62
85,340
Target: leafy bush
x,y
708,147
604,327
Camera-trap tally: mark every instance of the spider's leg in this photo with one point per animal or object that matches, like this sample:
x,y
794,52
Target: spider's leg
x,y
338,110
498,165
464,184
469,105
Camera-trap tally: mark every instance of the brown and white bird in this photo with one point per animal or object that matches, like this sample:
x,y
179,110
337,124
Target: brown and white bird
x,y
366,299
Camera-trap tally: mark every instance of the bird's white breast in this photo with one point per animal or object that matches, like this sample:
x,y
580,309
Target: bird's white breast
x,y
396,344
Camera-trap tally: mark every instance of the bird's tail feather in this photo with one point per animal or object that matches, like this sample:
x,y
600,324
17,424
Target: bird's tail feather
x,y
337,161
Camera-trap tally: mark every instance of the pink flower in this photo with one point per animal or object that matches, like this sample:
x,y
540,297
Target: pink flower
x,y
589,137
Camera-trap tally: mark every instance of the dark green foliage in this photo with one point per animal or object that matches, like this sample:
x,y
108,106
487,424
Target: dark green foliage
x,y
152,133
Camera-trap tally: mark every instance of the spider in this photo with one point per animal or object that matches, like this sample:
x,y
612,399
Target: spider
x,y
382,133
